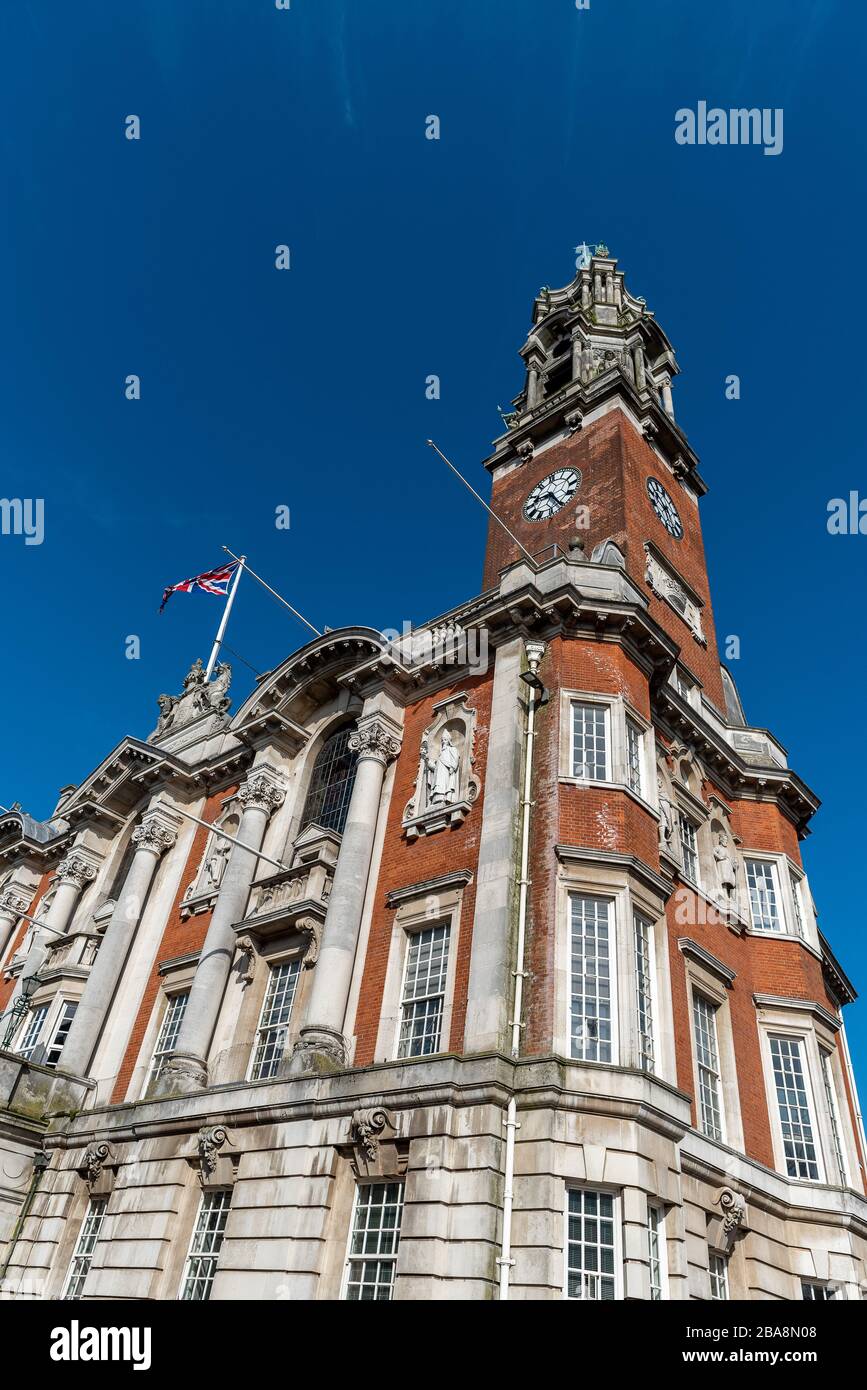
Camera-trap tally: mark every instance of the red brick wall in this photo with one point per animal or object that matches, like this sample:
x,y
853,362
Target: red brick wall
x,y
615,462
404,863
564,813
179,938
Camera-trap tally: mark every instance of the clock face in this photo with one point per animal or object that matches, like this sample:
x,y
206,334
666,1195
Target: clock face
x,y
552,494
665,508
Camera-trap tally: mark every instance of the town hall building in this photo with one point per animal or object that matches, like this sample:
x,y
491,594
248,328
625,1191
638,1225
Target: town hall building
x,y
477,964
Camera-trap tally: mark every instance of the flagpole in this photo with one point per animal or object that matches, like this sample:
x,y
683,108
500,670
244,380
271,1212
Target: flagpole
x,y
225,618
293,611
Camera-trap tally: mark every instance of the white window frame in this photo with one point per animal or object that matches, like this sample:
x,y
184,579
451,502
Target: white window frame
x,y
635,738
372,1257
273,964
719,1088
656,1230
613,976
605,708
160,1051
829,1291
413,914
193,1254
43,1010
56,1026
619,716
773,864
651,1007
412,939
91,1226
835,1117
617,1220
801,1038
684,818
720,1278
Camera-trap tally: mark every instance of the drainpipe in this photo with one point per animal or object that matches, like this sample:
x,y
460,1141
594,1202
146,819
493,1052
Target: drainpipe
x,y
535,652
41,1160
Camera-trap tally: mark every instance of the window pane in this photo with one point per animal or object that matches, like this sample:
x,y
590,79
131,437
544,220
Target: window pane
x,y
633,756
83,1254
32,1029
764,905
707,1061
689,848
791,1086
817,1293
719,1276
274,1020
655,1238
643,991
427,958
375,1236
796,899
61,1033
331,783
207,1239
591,1251
833,1115
589,743
170,1027
591,984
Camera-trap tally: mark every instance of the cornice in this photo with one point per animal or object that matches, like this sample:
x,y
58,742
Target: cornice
x,y
580,854
688,947
801,1006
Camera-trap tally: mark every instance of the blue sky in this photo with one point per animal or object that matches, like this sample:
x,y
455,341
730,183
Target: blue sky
x,y
306,388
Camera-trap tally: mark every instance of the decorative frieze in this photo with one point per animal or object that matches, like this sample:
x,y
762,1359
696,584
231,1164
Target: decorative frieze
x,y
669,587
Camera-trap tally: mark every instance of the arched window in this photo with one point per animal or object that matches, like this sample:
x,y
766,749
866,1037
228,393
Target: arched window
x,y
331,783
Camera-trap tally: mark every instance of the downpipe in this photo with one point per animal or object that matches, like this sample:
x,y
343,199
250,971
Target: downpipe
x,y
535,652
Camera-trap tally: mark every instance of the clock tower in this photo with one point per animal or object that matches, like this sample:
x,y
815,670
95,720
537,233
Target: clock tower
x,y
593,463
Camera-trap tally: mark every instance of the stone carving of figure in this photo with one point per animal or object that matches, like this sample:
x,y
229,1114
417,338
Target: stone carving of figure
x,y
167,705
666,816
216,864
219,700
442,772
726,865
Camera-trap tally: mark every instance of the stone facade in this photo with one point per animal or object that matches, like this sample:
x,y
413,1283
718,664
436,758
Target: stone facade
x,y
478,947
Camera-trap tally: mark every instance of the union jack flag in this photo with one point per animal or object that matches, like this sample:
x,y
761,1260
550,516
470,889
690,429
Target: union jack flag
x,y
212,582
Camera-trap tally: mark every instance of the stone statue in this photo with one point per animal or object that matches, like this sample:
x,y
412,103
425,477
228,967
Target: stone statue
x,y
666,816
167,705
442,772
198,697
216,691
726,865
216,863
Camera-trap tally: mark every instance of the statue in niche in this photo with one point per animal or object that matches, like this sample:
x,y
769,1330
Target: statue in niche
x,y
726,865
215,865
445,785
666,816
442,772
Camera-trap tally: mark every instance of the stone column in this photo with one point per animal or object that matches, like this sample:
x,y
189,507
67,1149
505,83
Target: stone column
x,y
667,401
156,834
12,904
490,981
533,387
186,1069
322,1045
73,874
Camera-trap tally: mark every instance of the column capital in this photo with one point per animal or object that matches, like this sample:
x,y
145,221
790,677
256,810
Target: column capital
x,y
261,791
153,834
377,738
75,869
13,903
